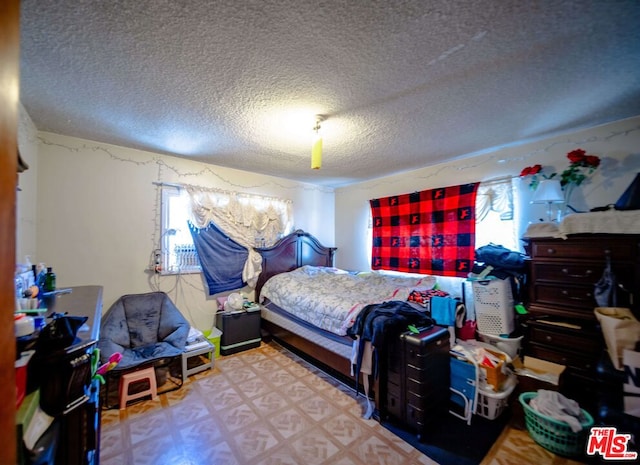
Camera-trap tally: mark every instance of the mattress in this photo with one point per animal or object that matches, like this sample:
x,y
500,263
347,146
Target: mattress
x,y
340,345
331,299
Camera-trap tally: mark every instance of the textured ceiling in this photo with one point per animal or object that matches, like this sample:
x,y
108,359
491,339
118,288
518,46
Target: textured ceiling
x,y
403,84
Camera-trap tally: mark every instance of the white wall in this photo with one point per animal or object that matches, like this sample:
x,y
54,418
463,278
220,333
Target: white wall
x,y
91,210
617,144
27,195
98,216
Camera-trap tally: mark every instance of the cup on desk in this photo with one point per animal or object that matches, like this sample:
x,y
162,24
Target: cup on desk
x,y
28,303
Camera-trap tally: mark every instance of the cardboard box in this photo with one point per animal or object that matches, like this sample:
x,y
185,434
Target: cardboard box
x,y
533,374
494,375
536,372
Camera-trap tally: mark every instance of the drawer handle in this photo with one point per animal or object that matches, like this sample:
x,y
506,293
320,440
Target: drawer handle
x,y
549,338
586,274
571,297
551,251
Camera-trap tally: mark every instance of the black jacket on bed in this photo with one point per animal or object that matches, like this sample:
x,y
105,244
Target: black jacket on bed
x,y
376,322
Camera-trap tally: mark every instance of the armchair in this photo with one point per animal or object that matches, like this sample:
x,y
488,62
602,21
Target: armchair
x,y
144,328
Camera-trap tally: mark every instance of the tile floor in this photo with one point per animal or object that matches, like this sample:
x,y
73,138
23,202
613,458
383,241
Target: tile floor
x,y
267,406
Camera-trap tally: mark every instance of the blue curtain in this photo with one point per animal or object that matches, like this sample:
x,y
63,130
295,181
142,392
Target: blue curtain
x,y
222,259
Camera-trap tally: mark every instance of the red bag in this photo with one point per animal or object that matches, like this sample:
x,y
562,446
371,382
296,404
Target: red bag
x,y
468,330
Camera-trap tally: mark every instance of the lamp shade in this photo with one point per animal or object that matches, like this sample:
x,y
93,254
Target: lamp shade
x,y
316,152
548,191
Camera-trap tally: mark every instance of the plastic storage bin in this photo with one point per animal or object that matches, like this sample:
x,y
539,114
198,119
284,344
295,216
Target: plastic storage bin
x,y
552,434
214,337
509,345
491,404
493,302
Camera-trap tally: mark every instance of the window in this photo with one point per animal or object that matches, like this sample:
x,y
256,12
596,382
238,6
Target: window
x,y
495,221
249,220
177,253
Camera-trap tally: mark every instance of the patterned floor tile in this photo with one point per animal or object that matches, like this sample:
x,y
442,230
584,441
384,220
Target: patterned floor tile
x,y
189,411
297,391
213,454
240,375
267,406
254,387
238,417
215,383
224,399
161,450
279,377
289,422
266,366
255,440
154,425
375,450
315,447
317,407
112,441
204,431
280,456
270,403
345,428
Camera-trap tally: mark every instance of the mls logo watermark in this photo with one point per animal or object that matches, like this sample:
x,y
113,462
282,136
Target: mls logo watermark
x,y
610,444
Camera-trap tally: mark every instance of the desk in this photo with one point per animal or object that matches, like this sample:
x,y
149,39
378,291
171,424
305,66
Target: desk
x,y
64,379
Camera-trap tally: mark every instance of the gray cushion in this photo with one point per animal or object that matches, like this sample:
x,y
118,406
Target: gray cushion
x,y
143,328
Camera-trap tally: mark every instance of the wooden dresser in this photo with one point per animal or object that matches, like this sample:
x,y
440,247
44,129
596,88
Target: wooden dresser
x,y
562,327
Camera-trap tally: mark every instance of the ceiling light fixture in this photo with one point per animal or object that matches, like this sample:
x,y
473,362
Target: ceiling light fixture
x,y
316,147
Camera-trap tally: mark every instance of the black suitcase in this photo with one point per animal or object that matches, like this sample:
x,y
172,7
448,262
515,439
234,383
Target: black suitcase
x,y
415,379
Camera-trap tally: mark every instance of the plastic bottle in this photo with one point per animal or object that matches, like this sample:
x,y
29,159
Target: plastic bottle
x,y
50,280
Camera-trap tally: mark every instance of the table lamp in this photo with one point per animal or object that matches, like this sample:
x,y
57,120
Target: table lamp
x,y
549,191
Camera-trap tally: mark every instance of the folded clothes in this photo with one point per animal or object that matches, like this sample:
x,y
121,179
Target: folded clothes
x,y
447,311
555,405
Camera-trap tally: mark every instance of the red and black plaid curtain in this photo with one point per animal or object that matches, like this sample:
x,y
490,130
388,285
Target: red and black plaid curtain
x,y
429,232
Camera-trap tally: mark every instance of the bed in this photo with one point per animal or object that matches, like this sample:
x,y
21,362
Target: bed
x,y
320,338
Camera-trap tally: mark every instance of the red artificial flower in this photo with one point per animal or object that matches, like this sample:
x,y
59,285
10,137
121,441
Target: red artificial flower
x,y
535,169
592,160
576,156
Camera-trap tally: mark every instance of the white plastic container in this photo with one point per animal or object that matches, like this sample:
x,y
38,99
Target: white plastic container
x,y
491,404
493,301
508,345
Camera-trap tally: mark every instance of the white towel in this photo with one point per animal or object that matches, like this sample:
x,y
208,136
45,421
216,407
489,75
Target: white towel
x,y
555,405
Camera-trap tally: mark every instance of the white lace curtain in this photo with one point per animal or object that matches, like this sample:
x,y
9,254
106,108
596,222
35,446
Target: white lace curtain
x,y
494,196
250,220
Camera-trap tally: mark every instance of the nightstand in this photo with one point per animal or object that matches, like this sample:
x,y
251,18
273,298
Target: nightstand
x,y
240,329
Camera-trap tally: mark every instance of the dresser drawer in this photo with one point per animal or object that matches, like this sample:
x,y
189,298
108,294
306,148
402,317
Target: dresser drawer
x,y
559,356
393,406
427,401
570,272
591,248
561,295
585,344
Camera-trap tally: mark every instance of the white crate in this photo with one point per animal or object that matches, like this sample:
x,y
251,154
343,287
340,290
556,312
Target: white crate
x,y
494,306
491,404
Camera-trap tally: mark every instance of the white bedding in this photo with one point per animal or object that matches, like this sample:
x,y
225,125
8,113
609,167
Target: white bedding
x,y
331,299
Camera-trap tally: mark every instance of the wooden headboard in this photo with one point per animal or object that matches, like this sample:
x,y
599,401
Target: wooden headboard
x,y
293,251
